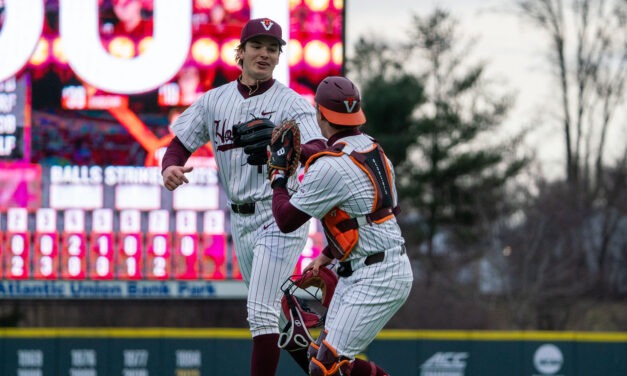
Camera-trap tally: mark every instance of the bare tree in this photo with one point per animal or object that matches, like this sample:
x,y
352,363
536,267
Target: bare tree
x,y
568,246
591,75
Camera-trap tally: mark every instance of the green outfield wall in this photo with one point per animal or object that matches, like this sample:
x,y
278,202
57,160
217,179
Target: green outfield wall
x,y
195,352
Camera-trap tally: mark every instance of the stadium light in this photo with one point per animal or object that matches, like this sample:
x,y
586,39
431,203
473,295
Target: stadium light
x,y
336,53
57,51
317,5
122,47
295,3
205,51
143,45
204,4
227,54
233,6
41,53
295,52
317,54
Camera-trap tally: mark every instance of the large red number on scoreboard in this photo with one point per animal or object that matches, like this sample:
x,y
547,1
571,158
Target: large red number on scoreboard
x,y
186,246
46,252
130,260
214,246
158,242
102,246
17,256
73,253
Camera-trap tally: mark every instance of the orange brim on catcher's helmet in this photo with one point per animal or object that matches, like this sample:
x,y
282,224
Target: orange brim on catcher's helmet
x,y
339,101
354,119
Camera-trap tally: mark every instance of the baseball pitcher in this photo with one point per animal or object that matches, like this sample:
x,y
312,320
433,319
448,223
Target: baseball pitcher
x,y
238,118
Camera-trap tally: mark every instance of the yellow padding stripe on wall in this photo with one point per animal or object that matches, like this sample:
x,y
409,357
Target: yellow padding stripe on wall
x,y
237,333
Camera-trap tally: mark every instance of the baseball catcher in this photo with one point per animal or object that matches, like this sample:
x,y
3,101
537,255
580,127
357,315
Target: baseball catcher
x,y
254,136
283,153
295,335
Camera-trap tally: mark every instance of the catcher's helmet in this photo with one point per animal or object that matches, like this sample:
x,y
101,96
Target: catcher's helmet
x,y
339,101
296,335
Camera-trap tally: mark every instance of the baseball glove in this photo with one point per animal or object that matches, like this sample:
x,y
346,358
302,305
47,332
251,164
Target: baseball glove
x,y
283,152
254,136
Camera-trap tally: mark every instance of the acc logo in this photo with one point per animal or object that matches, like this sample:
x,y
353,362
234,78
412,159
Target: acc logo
x,y
350,104
445,363
267,24
548,359
297,323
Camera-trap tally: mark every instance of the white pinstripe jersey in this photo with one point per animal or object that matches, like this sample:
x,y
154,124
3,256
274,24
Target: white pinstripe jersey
x,y
211,118
337,181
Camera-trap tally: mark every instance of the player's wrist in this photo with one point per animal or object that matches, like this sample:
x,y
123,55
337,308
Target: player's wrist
x,y
278,179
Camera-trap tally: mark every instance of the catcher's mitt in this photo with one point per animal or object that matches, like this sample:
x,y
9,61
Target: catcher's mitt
x,y
254,136
283,152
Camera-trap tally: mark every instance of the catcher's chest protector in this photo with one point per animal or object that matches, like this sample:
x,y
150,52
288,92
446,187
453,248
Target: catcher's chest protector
x,y
341,230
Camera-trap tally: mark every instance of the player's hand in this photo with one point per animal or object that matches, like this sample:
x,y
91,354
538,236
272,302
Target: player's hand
x,y
320,261
174,176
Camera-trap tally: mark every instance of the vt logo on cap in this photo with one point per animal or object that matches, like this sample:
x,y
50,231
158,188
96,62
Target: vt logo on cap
x,y
267,24
261,26
350,104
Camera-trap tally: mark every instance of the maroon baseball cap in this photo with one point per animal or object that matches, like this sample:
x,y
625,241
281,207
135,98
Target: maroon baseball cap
x,y
261,26
339,101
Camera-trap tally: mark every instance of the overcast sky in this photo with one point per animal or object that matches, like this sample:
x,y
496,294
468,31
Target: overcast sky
x,y
513,49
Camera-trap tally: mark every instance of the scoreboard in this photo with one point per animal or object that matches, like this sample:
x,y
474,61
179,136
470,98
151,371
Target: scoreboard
x,y
118,248
97,234
88,89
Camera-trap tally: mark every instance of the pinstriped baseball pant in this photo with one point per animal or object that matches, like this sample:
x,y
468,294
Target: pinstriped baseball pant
x,y
364,302
266,258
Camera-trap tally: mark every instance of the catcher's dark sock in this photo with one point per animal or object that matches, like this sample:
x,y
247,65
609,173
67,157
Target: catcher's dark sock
x,y
266,352
300,357
366,368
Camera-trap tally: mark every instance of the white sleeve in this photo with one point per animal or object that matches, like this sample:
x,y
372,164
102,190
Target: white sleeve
x,y
191,126
305,115
322,189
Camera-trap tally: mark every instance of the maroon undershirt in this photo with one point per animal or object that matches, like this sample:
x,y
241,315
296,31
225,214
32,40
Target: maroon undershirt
x,y
175,155
251,91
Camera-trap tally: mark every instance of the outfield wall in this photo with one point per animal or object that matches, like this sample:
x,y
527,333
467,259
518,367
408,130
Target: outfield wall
x,y
195,352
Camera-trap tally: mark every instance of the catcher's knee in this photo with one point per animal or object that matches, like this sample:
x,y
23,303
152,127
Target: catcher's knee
x,y
328,363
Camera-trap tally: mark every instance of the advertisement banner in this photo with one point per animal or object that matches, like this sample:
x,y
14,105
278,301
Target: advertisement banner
x,y
202,351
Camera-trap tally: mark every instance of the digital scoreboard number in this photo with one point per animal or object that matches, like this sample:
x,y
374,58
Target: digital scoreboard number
x,y
46,245
17,245
158,246
186,246
102,245
130,262
214,245
74,245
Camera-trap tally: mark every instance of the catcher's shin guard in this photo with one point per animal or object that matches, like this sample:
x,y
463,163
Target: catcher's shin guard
x,y
312,351
327,363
